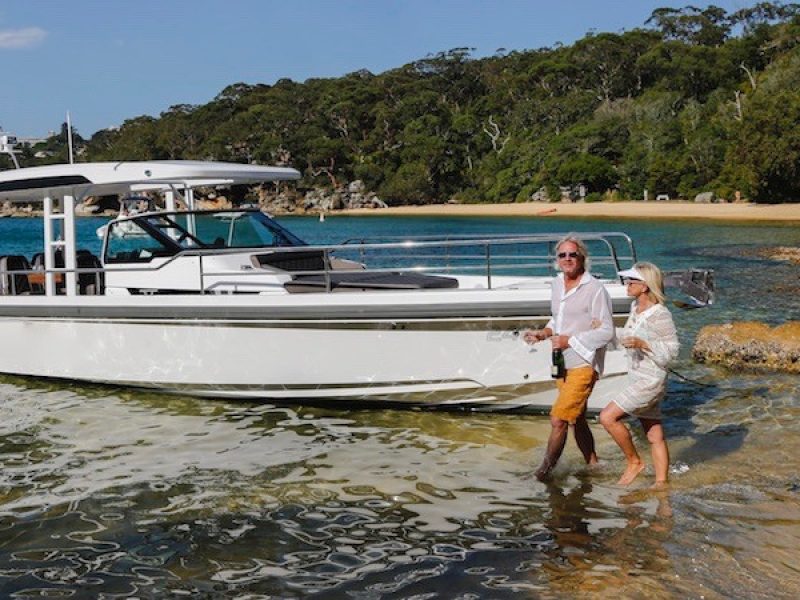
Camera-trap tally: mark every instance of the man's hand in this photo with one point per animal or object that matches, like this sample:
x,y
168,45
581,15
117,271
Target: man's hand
x,y
532,336
560,341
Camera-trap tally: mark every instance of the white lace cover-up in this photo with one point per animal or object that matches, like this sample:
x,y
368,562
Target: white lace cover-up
x,y
647,371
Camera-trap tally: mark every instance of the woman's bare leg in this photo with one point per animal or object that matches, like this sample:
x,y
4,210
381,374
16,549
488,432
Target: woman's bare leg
x,y
658,448
611,418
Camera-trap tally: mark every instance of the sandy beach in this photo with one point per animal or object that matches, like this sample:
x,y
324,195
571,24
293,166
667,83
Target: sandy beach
x,y
610,210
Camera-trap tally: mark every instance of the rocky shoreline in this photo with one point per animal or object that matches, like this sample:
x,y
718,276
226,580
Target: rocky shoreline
x,y
352,199
353,196
750,346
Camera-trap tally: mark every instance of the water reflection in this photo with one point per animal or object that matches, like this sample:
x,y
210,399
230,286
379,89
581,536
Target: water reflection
x,y
138,493
146,495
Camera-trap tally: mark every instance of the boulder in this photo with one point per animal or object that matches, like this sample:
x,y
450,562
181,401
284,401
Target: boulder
x,y
214,202
705,198
376,202
540,195
750,346
334,202
356,187
319,200
783,253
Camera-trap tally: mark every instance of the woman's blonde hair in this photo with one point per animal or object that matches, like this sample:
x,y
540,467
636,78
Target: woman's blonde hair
x,y
653,279
582,250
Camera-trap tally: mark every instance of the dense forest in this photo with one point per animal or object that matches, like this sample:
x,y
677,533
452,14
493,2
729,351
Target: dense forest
x,y
697,99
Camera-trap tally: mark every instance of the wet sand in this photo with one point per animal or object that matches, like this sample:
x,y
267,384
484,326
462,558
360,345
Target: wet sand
x,y
615,210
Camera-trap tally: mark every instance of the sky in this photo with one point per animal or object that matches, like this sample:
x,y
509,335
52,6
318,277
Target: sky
x,y
106,61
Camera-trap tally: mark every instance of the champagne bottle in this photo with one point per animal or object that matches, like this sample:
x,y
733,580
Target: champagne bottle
x,y
558,371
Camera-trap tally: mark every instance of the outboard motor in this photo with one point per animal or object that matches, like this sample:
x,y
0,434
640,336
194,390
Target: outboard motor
x,y
698,284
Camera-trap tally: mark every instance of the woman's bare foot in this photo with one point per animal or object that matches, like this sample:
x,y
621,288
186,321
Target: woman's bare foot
x,y
631,471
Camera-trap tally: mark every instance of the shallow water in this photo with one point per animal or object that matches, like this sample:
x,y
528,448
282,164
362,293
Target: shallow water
x,y
112,493
104,491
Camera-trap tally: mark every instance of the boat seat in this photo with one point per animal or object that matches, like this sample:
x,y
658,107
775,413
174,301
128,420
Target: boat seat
x,y
11,283
38,260
307,260
89,284
361,282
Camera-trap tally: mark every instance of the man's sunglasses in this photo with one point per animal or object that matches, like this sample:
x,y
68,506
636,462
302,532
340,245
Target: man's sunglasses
x,y
566,254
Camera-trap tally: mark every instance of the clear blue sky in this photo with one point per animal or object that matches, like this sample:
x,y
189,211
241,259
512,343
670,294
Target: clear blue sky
x,y
109,60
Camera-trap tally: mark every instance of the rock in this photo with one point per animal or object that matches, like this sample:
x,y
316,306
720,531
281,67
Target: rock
x,y
318,200
376,202
214,202
750,346
540,195
784,253
356,187
83,209
705,198
335,202
356,200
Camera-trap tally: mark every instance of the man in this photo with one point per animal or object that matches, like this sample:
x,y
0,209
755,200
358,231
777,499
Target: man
x,y
581,326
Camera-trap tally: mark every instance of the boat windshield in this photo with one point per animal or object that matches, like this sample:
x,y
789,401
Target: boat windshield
x,y
167,234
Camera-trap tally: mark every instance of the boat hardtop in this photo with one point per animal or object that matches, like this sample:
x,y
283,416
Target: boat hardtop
x,y
104,178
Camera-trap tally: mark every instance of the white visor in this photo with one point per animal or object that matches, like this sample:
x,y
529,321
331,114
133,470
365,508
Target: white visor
x,y
631,274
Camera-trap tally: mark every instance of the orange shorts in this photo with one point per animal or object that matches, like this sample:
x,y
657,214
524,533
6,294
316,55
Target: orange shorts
x,y
573,394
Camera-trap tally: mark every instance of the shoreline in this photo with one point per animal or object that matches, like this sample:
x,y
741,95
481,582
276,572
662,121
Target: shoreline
x,y
611,210
673,209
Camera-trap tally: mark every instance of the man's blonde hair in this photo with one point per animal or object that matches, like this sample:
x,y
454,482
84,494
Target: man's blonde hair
x,y
582,249
653,279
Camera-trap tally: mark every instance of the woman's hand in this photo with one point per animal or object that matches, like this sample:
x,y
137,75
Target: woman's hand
x,y
635,343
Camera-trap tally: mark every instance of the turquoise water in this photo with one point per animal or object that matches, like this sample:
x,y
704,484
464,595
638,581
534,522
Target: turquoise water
x,y
113,493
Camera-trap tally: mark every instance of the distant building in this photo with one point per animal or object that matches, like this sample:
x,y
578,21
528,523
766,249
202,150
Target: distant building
x,y
32,141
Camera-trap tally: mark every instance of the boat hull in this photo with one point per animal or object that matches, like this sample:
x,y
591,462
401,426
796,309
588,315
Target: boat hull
x,y
441,361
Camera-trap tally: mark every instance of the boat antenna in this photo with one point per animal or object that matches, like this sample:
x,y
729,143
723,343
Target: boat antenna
x,y
69,138
7,143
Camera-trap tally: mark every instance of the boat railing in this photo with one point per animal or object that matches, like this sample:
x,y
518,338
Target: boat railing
x,y
485,258
31,280
480,256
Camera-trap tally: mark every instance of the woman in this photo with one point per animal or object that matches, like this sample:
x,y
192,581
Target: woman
x,y
651,341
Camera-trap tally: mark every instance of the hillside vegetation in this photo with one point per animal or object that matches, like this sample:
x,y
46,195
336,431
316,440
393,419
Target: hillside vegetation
x,y
695,100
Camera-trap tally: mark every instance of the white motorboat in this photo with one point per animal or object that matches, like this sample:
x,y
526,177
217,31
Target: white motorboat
x,y
231,304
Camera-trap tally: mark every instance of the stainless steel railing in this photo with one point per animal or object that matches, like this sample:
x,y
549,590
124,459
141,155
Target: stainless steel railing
x,y
489,257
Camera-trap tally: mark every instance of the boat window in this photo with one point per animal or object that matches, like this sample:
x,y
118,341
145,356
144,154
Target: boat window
x,y
176,229
282,236
234,229
158,235
133,245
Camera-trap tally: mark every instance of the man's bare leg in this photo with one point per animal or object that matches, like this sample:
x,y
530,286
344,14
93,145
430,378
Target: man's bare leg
x,y
585,440
555,446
